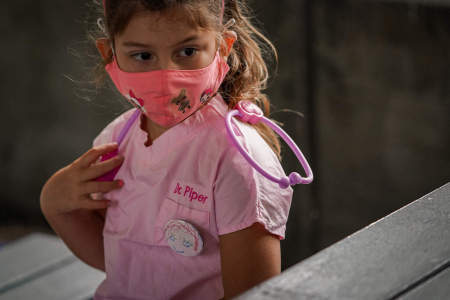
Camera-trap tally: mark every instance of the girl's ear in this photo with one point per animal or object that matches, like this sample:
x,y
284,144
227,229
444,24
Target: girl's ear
x,y
104,48
229,38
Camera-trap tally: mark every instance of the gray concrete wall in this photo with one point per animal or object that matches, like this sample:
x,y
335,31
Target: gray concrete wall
x,y
45,123
372,79
383,106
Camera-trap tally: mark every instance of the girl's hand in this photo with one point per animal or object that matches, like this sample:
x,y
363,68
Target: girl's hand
x,y
69,189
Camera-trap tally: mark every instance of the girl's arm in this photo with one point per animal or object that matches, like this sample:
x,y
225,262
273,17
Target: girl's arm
x,y
248,257
66,204
81,231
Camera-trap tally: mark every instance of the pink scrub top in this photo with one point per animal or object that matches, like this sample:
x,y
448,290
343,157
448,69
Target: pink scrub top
x,y
191,172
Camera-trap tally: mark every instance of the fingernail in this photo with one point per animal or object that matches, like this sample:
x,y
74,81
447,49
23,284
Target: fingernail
x,y
114,144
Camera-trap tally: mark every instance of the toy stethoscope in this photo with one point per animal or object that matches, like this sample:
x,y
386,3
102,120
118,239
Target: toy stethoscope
x,y
247,112
251,113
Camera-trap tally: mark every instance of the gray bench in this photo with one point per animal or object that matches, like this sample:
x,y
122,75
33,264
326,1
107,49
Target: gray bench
x,y
40,266
405,255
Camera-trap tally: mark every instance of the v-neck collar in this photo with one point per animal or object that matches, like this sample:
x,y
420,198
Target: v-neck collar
x,y
175,136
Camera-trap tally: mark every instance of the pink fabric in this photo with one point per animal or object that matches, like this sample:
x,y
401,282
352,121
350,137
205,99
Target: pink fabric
x,y
169,96
191,172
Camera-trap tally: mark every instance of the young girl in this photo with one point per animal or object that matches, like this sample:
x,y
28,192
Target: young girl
x,y
187,217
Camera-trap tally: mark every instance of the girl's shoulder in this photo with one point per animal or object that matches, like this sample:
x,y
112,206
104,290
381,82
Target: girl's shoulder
x,y
257,148
243,195
233,171
247,135
111,131
217,137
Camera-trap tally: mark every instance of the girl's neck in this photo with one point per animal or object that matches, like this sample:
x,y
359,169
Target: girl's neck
x,y
152,129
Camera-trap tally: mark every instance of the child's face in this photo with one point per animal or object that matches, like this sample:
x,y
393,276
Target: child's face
x,y
154,41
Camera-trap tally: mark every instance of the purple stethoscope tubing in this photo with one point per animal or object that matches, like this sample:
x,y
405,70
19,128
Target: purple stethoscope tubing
x,y
109,176
284,182
127,126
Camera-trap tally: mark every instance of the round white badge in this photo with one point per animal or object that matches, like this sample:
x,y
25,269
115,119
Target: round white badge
x,y
183,238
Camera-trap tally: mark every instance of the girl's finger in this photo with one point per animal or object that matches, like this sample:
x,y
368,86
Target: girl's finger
x,y
101,168
92,187
93,154
88,203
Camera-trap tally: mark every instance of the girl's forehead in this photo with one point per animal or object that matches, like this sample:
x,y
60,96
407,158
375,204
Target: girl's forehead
x,y
159,21
173,25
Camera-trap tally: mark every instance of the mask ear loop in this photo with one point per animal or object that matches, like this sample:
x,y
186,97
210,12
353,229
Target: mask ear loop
x,y
101,25
222,12
227,25
230,22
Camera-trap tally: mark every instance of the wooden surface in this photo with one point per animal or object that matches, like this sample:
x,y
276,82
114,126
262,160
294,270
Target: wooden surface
x,y
405,255
40,266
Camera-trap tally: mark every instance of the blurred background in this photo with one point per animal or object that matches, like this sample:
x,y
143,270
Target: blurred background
x,y
372,79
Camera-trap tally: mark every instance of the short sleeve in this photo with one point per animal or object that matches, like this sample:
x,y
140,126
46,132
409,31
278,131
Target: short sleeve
x,y
242,195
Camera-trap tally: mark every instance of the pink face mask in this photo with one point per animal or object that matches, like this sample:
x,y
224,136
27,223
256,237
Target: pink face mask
x,y
167,97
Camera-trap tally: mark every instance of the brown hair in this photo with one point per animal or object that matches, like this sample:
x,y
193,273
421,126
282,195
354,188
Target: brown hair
x,y
248,73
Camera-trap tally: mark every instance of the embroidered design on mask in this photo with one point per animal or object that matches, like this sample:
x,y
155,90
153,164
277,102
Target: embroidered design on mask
x,y
137,102
182,101
206,95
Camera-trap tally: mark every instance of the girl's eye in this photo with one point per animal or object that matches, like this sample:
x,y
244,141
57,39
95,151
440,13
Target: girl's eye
x,y
188,52
142,56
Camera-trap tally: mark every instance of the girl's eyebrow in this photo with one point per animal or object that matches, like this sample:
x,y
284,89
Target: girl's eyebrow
x,y
188,39
137,44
